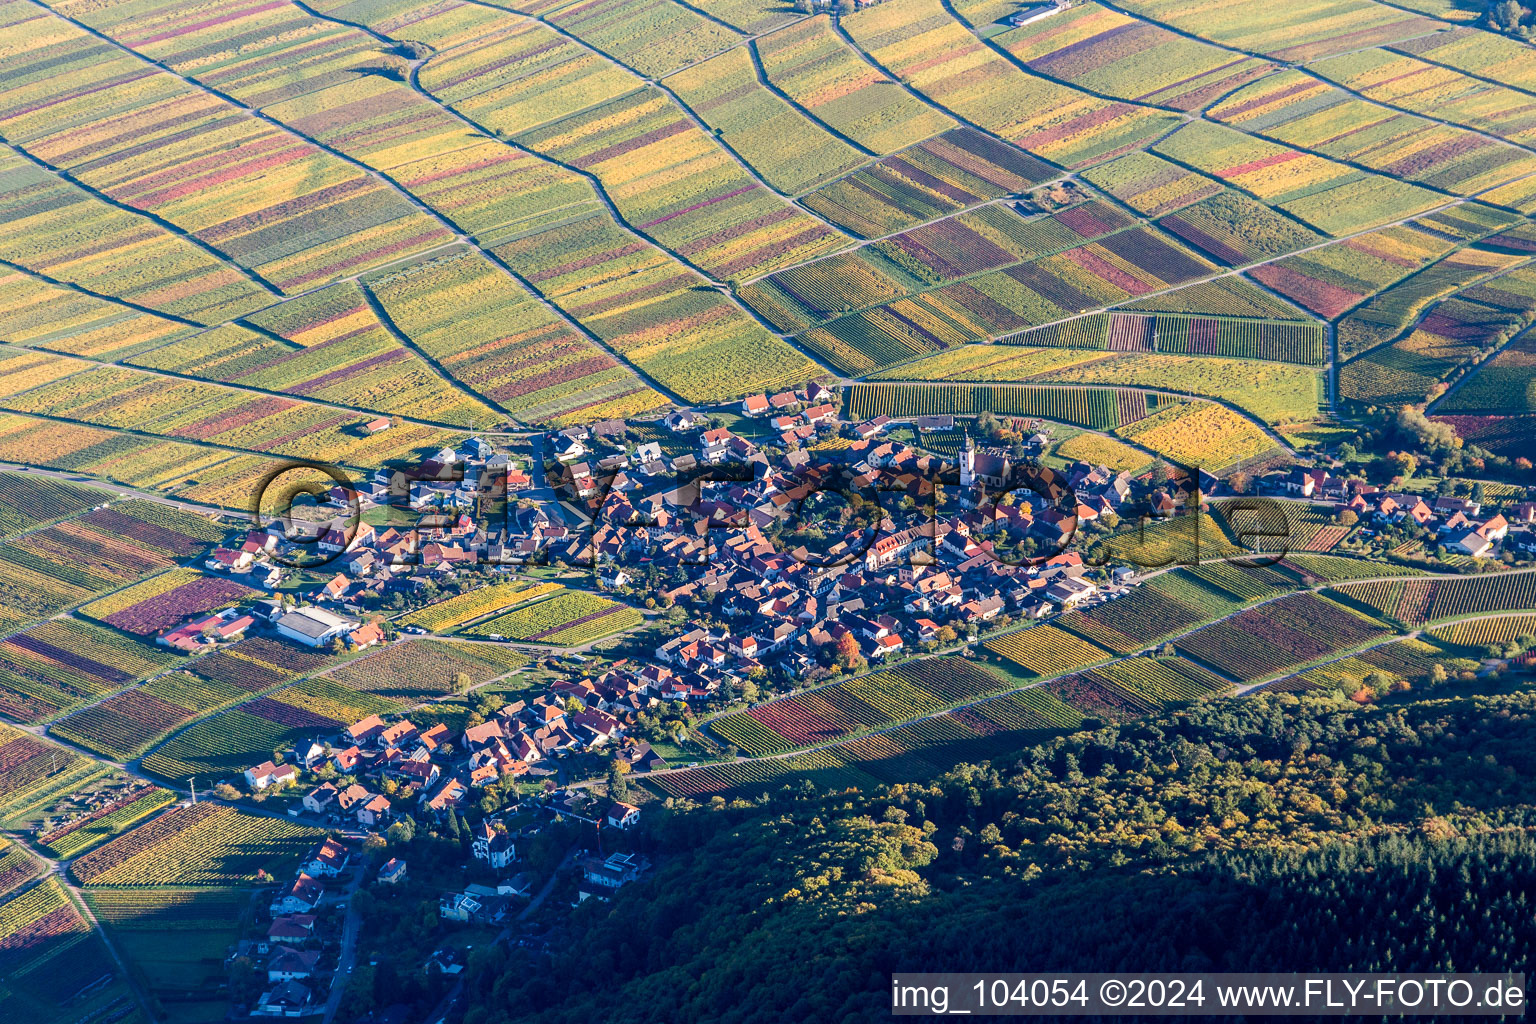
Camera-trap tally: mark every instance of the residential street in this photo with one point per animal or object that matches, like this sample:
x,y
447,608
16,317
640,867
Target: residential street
x,y
346,959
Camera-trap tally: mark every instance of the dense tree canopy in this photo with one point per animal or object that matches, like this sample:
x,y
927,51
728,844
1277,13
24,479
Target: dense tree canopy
x,y
1265,834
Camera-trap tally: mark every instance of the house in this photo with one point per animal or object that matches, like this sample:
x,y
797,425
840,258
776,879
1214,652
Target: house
x,y
365,730
451,795
336,586
329,858
1034,12
365,636
286,999
869,428
1470,542
268,774
393,872
819,414
617,870
434,737
374,811
398,735
713,444
314,627
309,755
459,906
204,629
682,420
1068,592
886,645
378,425
291,929
319,799
754,405
816,392
292,964
933,424
300,897
981,610
492,846
225,560
518,885
624,816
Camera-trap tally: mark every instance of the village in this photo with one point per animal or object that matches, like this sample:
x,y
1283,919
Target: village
x,y
795,545
785,550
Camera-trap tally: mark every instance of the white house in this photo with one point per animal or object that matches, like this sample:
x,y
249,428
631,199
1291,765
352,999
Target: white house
x,y
314,627
459,906
287,999
320,799
292,964
268,774
624,816
493,847
1068,591
617,870
300,897
328,858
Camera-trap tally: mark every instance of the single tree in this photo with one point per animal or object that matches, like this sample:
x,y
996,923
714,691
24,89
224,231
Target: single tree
x,y
618,785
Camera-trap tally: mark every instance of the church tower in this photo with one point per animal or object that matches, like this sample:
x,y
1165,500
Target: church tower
x,y
968,461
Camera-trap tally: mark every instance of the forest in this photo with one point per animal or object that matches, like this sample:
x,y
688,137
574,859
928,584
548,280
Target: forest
x,y
1273,833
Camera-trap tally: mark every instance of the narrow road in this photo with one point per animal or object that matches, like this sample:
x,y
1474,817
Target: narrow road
x,y
346,959
446,1004
1470,371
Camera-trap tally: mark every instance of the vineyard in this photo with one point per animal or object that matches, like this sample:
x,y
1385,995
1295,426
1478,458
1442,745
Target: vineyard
x,y
869,702
959,168
257,663
1280,634
1094,408
120,816
47,570
1047,650
166,600
54,966
125,725
201,844
1114,267
26,501
1411,661
166,909
223,746
987,728
568,619
462,608
1499,629
32,771
1201,434
420,669
232,740
51,668
241,236
1172,603
1415,602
